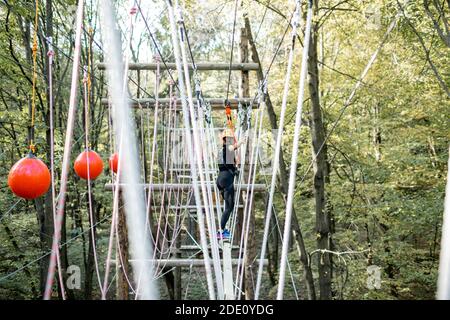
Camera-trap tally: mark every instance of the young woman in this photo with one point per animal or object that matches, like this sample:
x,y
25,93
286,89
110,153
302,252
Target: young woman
x,y
225,181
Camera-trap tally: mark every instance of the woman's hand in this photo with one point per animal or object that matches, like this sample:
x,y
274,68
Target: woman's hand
x,y
243,140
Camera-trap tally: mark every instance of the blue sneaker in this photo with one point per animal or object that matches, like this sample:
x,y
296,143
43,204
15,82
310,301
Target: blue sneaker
x,y
226,235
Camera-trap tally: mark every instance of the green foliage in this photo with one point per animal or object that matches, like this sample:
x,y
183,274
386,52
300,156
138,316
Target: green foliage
x,y
388,154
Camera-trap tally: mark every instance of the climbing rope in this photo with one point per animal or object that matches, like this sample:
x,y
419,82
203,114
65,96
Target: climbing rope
x,y
276,158
201,163
232,49
34,50
293,170
186,113
50,55
67,151
251,179
87,95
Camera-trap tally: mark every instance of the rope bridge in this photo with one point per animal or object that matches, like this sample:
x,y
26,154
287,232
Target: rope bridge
x,y
177,144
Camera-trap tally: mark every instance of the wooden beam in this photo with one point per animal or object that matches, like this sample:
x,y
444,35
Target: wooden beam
x,y
189,262
216,103
192,207
228,272
197,248
249,226
201,66
187,186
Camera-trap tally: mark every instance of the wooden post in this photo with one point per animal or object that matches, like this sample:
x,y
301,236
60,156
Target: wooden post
x,y
138,92
122,283
250,253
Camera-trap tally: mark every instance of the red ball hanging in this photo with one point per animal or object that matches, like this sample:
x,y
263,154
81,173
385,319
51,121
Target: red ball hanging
x,y
29,178
95,165
114,162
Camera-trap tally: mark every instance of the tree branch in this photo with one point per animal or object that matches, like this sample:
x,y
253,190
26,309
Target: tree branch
x,y
427,52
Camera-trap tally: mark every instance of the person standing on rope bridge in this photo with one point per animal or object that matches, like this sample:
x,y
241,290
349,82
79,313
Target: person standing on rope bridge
x,y
227,161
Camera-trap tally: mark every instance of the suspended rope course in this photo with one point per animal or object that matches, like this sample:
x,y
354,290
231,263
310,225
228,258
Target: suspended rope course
x,y
169,157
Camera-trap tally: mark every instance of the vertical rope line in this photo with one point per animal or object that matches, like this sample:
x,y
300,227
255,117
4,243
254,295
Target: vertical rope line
x,y
276,157
200,162
293,170
67,151
91,214
186,119
34,80
50,55
250,186
232,49
114,213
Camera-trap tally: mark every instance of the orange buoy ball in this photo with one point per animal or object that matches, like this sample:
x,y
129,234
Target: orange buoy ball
x,y
114,162
95,165
29,178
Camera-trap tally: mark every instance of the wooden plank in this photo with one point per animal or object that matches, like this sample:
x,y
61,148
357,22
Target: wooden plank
x,y
201,66
216,103
187,186
228,272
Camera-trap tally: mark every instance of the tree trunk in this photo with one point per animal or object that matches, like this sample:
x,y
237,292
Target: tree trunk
x,y
89,271
303,254
124,270
323,221
46,237
250,252
376,132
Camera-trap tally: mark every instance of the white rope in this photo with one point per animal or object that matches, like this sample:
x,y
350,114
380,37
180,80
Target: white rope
x,y
277,226
140,245
91,215
187,126
116,188
199,161
50,55
5,215
176,229
251,181
293,170
276,157
443,290
114,219
153,152
67,152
